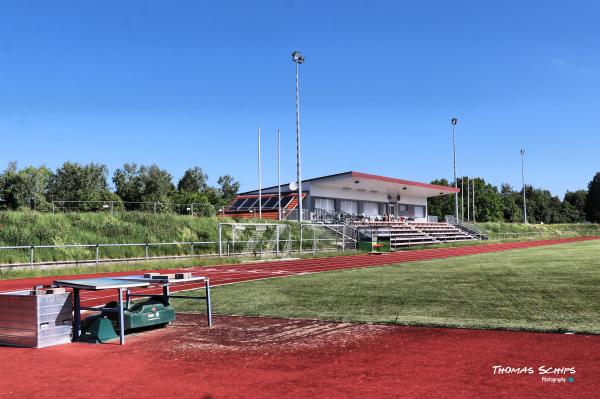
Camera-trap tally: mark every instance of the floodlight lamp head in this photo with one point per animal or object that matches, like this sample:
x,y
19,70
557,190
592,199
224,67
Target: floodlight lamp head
x,y
522,151
297,57
454,121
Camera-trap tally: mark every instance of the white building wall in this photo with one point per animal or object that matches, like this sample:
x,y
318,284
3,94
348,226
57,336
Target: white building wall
x,y
317,190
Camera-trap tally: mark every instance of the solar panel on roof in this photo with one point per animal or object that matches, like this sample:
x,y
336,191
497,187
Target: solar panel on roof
x,y
252,202
237,204
270,203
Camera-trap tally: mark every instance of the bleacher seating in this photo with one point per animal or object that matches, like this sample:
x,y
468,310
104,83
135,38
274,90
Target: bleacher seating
x,y
405,234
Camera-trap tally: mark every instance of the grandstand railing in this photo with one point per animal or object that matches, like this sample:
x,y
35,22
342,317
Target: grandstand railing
x,y
470,228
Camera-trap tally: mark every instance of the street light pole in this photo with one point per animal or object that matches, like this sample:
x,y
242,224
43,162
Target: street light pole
x,y
259,179
279,174
523,180
454,121
298,59
462,199
468,201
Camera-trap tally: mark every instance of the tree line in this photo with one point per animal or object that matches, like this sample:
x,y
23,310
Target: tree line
x,y
135,187
504,204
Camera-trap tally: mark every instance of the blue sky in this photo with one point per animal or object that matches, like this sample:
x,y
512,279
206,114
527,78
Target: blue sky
x,y
185,83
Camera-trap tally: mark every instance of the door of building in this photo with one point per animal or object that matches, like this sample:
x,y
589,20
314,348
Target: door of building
x,y
392,209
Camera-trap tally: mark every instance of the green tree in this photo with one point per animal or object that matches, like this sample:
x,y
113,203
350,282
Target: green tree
x,y
25,188
76,182
442,205
144,184
574,206
512,204
488,202
592,202
228,189
193,181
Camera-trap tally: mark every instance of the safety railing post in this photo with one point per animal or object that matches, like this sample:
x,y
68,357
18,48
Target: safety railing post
x,y
31,255
146,250
192,248
219,234
277,240
97,254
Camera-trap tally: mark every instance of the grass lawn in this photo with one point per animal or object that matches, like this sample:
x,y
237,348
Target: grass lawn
x,y
554,288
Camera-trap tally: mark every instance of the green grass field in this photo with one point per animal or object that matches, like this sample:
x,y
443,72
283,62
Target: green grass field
x,y
554,288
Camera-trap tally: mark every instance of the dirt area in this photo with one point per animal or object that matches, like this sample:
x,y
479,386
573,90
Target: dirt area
x,y
275,358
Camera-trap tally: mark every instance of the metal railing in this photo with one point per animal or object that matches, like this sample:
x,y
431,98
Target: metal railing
x,y
31,251
470,228
192,209
37,255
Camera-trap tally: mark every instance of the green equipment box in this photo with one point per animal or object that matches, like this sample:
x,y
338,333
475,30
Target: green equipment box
x,y
144,314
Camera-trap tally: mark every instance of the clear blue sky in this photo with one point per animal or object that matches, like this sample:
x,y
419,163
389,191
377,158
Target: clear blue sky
x,y
185,83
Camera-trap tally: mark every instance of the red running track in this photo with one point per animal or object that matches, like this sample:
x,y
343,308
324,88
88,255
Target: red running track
x,y
228,274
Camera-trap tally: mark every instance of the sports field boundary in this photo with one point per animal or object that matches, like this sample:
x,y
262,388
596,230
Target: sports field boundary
x,y
235,273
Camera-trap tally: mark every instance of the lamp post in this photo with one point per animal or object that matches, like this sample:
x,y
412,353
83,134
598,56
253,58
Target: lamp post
x,y
462,199
298,59
454,121
259,179
278,174
523,180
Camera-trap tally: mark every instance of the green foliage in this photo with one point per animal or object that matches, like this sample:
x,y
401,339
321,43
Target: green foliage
x,y
75,182
493,205
34,228
488,202
193,181
442,205
592,203
25,188
229,188
143,184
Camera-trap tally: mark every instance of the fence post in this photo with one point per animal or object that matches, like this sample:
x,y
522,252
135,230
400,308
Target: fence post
x,y
53,207
314,240
146,252
232,241
192,248
277,240
261,249
343,241
219,233
31,256
192,209
97,254
154,207
112,208
300,248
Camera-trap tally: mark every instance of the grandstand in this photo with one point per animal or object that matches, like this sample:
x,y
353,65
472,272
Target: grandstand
x,y
370,205
406,234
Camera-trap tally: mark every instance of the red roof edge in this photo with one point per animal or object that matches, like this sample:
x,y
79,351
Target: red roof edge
x,y
448,190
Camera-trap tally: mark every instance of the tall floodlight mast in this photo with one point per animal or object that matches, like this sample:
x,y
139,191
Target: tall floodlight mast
x,y
523,180
454,121
298,59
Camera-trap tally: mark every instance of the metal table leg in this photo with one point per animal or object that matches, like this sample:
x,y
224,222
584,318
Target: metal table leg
x,y
76,315
166,293
127,299
208,305
121,318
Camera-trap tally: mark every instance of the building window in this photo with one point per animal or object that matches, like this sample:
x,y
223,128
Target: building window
x,y
370,209
419,211
325,203
349,206
402,208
